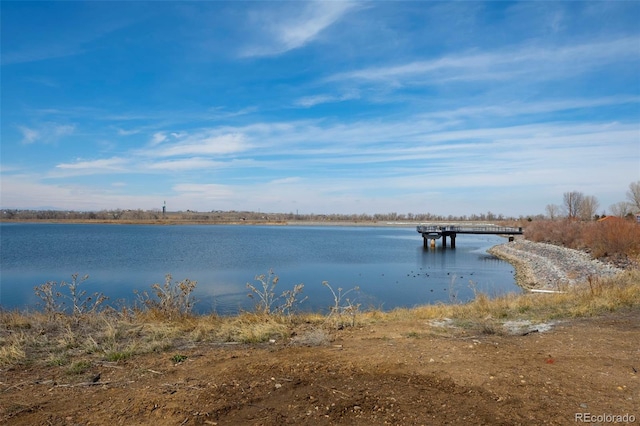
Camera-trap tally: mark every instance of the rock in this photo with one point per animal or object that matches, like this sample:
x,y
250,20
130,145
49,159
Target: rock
x,y
546,266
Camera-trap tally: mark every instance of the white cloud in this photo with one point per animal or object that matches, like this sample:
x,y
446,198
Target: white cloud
x,y
470,104
293,25
285,181
534,62
91,167
45,132
178,152
513,108
123,132
195,163
203,143
66,196
114,163
29,135
158,138
310,101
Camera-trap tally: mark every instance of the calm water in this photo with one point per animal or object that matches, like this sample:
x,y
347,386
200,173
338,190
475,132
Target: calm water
x,y
388,264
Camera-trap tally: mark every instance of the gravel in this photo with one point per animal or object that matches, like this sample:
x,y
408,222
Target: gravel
x,y
549,267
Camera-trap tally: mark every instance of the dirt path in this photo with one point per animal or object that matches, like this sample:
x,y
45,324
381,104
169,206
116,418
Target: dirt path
x,y
393,373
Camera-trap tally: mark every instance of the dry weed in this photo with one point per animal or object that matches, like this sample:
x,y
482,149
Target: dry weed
x,y
613,237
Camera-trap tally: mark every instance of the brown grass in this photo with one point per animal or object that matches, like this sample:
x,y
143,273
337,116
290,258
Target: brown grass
x,y
113,337
602,296
165,323
609,238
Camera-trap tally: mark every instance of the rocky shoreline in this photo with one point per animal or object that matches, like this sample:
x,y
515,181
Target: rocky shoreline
x,y
543,266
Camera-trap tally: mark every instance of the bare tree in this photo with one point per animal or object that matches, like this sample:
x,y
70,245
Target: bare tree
x,y
633,195
553,211
572,202
588,207
620,209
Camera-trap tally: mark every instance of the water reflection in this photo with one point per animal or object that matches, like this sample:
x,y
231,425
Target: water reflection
x,y
390,265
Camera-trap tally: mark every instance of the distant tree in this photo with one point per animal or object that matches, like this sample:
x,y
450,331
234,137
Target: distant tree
x,y
633,195
588,207
572,202
620,209
553,211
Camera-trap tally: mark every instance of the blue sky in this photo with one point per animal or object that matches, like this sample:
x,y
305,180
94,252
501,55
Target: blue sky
x,y
319,107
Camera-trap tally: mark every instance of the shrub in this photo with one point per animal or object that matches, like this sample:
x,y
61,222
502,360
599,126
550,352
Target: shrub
x,y
172,299
53,296
178,358
343,307
613,237
267,301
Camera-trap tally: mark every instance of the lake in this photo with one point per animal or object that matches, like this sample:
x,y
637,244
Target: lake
x,y
388,264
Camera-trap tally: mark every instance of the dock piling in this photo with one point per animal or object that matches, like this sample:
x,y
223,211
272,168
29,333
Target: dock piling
x,y
433,232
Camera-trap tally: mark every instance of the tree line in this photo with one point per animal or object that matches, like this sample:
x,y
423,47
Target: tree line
x,y
233,216
577,205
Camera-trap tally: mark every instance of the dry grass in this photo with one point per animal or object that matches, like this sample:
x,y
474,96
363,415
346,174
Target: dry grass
x,y
164,321
593,298
111,336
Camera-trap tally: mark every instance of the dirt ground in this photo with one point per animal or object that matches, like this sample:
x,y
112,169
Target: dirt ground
x,y
392,373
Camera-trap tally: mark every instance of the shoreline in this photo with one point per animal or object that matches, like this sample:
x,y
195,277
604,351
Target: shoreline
x,y
248,222
541,266
538,266
523,273
174,222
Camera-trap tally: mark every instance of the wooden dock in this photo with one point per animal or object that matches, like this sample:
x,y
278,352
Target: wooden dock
x,y
435,232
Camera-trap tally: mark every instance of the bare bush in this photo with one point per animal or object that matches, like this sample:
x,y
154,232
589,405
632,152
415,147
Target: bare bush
x,y
53,296
172,299
343,307
612,237
267,301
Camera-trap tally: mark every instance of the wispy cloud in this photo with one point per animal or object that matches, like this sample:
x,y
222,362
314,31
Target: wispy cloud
x,y
207,191
115,164
45,132
195,163
41,53
76,196
310,101
321,105
534,62
208,149
519,108
202,143
293,25
158,138
29,135
124,132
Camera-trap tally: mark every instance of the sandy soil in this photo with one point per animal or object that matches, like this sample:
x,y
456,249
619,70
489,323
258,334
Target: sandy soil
x,y
405,373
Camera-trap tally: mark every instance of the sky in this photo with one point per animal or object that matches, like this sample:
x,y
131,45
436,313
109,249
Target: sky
x,y
322,107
